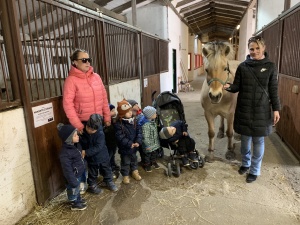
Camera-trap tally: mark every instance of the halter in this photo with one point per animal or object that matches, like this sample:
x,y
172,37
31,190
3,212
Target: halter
x,y
217,79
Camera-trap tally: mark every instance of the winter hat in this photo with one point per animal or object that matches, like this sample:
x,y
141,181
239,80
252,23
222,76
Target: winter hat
x,y
66,132
95,121
149,111
164,133
132,102
111,107
123,108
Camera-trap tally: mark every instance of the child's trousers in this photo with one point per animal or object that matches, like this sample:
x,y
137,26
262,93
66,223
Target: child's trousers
x,y
186,144
128,164
150,157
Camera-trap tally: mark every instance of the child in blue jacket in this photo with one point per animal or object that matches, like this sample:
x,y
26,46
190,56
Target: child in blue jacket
x,y
129,138
177,134
72,164
96,155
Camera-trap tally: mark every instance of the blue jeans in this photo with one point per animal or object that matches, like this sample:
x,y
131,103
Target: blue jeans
x,y
254,161
74,193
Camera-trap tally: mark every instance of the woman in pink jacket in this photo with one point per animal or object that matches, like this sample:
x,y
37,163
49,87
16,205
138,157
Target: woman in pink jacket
x,y
84,93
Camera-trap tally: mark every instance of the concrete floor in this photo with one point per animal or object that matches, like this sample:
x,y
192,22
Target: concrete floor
x,y
213,195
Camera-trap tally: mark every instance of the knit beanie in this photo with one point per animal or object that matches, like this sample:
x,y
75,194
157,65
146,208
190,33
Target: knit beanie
x,y
123,108
95,121
66,132
164,133
149,111
111,107
132,102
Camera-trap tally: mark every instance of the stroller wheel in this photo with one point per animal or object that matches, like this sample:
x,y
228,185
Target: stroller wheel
x,y
177,169
169,170
194,165
201,161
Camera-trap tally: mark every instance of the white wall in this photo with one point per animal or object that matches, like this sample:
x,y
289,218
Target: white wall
x,y
195,47
178,36
17,192
246,31
151,18
268,10
127,90
294,2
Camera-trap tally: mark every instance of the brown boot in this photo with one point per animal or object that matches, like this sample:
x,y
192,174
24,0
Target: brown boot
x,y
126,180
136,175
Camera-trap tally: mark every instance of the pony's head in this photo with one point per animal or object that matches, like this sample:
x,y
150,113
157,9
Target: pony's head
x,y
216,59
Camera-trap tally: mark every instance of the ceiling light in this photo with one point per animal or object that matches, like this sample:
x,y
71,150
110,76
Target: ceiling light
x,y
238,27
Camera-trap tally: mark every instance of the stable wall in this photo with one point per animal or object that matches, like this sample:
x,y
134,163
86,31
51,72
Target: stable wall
x,y
268,10
128,90
247,29
151,18
195,47
17,192
179,38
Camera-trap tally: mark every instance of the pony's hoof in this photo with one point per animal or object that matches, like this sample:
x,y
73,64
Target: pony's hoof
x,y
209,158
230,155
220,135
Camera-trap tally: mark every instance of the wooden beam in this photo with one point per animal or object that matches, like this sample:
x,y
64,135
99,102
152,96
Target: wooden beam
x,y
185,2
125,6
96,7
102,2
213,10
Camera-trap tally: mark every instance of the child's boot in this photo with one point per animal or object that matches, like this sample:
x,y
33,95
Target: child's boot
x,y
126,180
136,175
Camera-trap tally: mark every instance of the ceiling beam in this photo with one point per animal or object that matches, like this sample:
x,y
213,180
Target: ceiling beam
x,y
185,2
217,28
102,2
125,6
207,16
96,7
213,10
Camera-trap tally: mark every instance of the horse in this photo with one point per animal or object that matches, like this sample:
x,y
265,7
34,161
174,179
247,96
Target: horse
x,y
220,69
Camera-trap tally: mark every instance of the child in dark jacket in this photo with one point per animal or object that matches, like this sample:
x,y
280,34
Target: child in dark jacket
x,y
177,135
96,155
72,164
137,113
150,141
111,142
129,138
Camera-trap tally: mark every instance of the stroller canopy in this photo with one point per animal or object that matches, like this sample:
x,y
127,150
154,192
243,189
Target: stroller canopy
x,y
169,108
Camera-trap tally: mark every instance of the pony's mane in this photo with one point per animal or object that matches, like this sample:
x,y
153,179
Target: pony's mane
x,y
217,48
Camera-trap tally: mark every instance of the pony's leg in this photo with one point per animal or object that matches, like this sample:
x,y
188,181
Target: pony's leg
x,y
221,128
230,154
211,135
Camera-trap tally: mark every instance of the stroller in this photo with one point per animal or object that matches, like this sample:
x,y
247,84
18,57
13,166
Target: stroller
x,y
169,109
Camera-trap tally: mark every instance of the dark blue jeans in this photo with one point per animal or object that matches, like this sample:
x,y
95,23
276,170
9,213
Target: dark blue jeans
x,y
150,157
128,164
104,169
112,151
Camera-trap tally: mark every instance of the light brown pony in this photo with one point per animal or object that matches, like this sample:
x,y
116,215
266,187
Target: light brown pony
x,y
220,69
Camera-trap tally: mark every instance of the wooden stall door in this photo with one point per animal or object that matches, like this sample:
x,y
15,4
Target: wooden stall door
x,y
288,126
150,84
48,146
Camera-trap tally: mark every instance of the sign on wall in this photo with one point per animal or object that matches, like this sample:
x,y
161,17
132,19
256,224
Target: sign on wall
x,y
145,82
43,114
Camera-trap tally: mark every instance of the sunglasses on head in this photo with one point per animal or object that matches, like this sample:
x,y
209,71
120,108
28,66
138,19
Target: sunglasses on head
x,y
254,39
85,60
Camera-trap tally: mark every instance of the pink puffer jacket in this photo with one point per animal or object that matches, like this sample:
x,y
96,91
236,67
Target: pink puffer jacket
x,y
83,95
